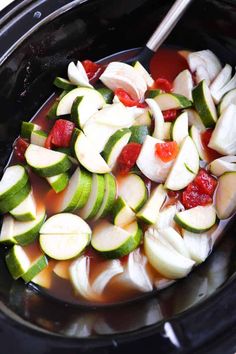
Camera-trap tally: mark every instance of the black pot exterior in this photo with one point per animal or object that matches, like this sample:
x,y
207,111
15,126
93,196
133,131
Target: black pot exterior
x,y
37,41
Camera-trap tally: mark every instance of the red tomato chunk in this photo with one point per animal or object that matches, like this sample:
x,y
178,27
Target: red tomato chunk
x,y
93,70
128,157
169,115
127,100
163,85
167,151
20,148
60,135
200,191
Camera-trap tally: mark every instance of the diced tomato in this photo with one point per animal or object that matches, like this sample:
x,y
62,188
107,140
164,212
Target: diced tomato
x,y
200,191
128,157
93,70
163,85
20,148
169,115
167,151
60,135
206,183
205,138
127,100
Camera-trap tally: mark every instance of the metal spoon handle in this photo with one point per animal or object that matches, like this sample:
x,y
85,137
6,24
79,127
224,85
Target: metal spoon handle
x,y
167,24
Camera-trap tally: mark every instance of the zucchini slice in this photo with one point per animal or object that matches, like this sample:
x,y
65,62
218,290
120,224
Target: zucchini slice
x,y
180,128
196,136
226,195
26,210
198,219
45,162
109,196
172,101
38,137
65,223
138,134
14,178
7,204
123,214
59,182
63,84
27,128
133,190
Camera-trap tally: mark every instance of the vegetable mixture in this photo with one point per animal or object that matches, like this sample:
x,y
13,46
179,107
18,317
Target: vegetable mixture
x,y
121,187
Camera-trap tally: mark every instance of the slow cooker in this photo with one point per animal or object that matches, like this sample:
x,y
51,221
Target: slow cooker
x,y
37,40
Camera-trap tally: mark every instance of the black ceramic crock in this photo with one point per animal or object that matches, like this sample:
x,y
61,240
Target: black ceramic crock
x,y
37,41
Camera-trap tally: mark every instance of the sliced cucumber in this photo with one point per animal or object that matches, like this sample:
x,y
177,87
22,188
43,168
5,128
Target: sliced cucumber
x,y
14,178
194,119
180,128
116,115
204,104
88,156
158,118
109,196
138,134
150,210
122,75
21,232
63,84
133,190
198,219
95,198
123,214
183,84
223,136
52,113
10,203
82,109
17,261
79,184
227,99
165,259
221,80
224,164
172,101
63,246
27,128
112,241
226,195
35,268
143,119
153,93
196,136
167,131
185,166
59,182
77,75
65,223
107,94
26,210
115,145
199,246
93,98
45,162
143,72
150,164
38,137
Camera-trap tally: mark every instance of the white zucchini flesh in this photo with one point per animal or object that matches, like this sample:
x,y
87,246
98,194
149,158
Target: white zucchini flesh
x,y
185,166
221,80
63,246
123,214
79,274
199,246
94,97
143,72
13,179
223,136
230,85
88,156
26,210
116,115
206,61
76,75
197,219
133,190
17,261
151,208
150,164
196,136
226,195
183,84
194,119
135,274
227,99
180,128
121,75
113,268
158,118
223,164
65,223
166,260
